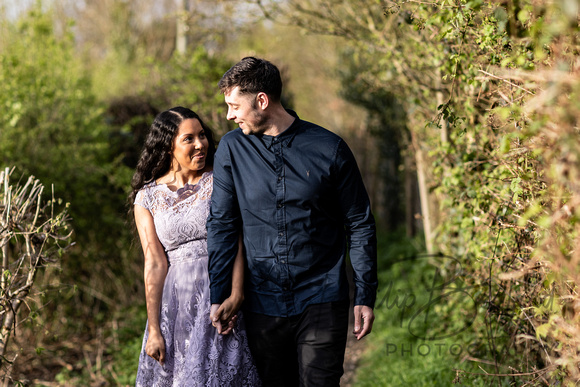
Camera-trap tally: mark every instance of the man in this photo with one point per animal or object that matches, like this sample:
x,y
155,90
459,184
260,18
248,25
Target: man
x,y
294,191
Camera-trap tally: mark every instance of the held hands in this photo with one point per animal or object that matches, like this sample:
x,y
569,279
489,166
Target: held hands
x,y
155,347
224,316
363,321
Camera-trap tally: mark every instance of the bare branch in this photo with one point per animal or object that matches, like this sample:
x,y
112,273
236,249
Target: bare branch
x,y
506,81
29,239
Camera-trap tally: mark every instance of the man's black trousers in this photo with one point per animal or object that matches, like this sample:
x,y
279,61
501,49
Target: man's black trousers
x,y
302,350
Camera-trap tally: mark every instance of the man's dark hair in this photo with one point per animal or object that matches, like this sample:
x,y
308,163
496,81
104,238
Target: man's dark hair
x,y
253,75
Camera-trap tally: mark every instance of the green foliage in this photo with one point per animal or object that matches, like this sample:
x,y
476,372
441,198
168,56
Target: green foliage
x,y
498,194
386,122
183,80
192,81
52,127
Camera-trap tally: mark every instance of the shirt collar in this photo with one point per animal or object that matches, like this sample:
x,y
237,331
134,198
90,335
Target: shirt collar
x,y
286,136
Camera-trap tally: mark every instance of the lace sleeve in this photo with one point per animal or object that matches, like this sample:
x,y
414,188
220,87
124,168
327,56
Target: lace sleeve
x,y
142,199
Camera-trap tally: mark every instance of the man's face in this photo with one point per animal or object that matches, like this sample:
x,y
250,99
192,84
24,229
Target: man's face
x,y
243,110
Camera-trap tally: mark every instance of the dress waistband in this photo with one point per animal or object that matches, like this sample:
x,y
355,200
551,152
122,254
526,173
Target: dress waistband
x,y
188,252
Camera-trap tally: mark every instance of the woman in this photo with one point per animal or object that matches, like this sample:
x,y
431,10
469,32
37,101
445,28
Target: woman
x,y
172,189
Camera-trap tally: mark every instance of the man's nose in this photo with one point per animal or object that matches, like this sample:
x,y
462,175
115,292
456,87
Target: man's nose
x,y
230,115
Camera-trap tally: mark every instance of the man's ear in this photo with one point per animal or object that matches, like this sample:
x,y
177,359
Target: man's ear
x,y
262,100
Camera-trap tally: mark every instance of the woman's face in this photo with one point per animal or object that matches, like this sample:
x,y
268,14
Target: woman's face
x,y
190,146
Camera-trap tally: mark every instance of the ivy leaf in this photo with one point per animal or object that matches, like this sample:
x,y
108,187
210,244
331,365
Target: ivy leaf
x,y
505,145
542,330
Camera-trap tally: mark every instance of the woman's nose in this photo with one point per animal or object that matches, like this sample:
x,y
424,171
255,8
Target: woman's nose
x,y
198,144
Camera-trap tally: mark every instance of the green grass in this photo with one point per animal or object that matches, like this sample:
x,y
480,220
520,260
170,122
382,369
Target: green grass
x,y
413,304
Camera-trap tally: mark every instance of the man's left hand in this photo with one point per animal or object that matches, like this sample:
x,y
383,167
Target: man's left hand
x,y
363,321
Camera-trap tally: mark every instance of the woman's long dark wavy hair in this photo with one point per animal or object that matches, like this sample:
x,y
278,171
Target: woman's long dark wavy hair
x,y
155,160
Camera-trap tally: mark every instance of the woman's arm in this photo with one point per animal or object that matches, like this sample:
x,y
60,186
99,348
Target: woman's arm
x,y
238,277
224,315
154,276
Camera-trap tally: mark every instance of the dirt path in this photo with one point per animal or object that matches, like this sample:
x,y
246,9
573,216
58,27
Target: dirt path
x,y
354,350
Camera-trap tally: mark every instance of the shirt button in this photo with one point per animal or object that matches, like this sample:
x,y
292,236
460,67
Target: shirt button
x,y
281,234
279,178
282,261
280,205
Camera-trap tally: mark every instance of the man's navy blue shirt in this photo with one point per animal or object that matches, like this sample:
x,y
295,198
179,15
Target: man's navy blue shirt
x,y
299,200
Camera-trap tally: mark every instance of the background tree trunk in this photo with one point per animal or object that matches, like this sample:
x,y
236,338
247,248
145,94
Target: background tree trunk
x,y
182,27
423,194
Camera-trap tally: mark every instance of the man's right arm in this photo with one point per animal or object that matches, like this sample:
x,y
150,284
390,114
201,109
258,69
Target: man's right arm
x,y
223,227
361,232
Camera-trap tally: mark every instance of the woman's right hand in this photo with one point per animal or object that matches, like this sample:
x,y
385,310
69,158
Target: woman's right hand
x,y
155,347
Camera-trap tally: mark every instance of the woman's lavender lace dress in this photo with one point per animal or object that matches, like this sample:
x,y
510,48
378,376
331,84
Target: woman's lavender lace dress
x,y
196,355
